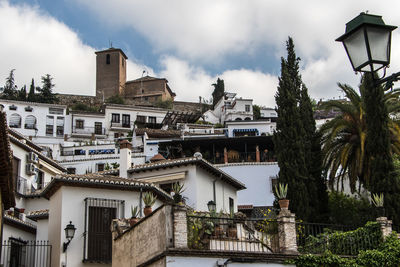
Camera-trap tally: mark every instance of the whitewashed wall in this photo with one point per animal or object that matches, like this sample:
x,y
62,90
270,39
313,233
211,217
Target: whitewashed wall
x,y
176,261
257,178
11,231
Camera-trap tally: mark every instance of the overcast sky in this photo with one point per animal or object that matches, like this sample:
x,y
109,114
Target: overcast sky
x,y
190,43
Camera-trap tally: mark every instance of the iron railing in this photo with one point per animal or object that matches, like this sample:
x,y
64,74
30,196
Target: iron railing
x,y
316,238
20,253
89,130
232,234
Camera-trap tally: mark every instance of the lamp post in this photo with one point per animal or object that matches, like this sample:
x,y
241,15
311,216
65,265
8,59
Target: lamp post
x,y
367,43
211,206
69,234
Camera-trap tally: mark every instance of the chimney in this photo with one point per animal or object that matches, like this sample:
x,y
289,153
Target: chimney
x,y
125,158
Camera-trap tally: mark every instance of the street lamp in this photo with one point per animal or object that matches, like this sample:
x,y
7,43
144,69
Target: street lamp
x,y
69,234
211,206
367,42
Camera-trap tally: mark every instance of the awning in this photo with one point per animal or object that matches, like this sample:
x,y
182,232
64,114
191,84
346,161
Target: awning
x,y
245,130
164,178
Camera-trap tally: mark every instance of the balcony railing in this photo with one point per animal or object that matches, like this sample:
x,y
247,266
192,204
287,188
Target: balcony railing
x,y
17,252
227,234
127,125
89,130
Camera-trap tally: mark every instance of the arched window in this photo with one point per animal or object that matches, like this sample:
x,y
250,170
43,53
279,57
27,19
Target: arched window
x,y
247,119
30,122
15,121
238,119
108,59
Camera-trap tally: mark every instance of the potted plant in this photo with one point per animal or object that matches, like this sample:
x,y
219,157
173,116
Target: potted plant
x,y
377,201
218,229
281,193
178,190
232,230
149,199
134,217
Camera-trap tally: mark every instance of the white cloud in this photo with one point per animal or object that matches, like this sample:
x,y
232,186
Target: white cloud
x,y
35,44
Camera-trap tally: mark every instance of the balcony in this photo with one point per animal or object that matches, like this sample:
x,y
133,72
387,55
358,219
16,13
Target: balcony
x,y
122,125
88,131
17,252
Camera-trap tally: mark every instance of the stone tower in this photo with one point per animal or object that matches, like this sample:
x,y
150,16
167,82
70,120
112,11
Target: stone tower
x,y
110,72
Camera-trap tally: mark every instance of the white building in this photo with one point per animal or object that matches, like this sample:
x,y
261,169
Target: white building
x,y
250,128
44,123
230,108
268,113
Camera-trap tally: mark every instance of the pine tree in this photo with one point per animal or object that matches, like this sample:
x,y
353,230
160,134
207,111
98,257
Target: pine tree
x,y
219,90
46,94
31,94
10,88
289,136
382,177
317,190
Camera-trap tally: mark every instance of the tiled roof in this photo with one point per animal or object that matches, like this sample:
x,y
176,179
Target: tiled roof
x,y
186,161
158,133
38,214
245,207
146,78
97,180
16,221
157,157
6,177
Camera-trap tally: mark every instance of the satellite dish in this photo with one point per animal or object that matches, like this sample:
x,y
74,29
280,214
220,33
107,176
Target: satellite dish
x,y
198,155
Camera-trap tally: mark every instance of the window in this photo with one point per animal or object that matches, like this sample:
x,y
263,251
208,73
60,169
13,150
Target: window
x,y
99,214
140,118
56,111
71,170
247,108
108,59
100,167
115,117
152,119
60,126
116,135
126,120
231,206
98,128
274,182
30,122
17,252
15,121
49,125
79,124
12,107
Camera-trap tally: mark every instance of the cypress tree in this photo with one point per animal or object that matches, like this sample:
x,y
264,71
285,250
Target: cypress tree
x,y
219,90
21,94
31,94
289,135
382,177
317,190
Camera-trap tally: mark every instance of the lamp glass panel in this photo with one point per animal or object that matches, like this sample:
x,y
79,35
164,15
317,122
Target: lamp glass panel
x,y
69,232
379,43
356,48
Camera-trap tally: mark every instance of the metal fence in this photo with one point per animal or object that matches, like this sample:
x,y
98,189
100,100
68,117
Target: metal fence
x,y
19,253
232,234
316,238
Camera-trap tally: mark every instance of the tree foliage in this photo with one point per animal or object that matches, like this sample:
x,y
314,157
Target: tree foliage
x,y
46,94
292,142
256,112
115,99
219,90
9,90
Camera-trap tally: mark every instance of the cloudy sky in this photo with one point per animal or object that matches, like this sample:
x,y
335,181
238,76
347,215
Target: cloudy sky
x,y
190,43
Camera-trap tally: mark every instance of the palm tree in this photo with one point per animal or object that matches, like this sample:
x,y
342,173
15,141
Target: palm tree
x,y
344,137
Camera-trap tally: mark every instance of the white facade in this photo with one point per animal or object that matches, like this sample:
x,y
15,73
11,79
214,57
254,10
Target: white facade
x,y
231,108
268,113
179,261
254,128
88,125
45,123
258,178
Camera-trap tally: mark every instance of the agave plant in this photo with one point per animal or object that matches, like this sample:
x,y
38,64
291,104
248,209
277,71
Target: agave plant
x,y
281,190
377,200
178,190
134,211
149,199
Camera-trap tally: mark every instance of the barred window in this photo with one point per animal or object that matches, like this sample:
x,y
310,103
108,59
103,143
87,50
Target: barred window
x,y
99,214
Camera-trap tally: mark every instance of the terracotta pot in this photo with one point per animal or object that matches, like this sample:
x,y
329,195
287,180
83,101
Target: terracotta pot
x,y
133,221
284,204
218,231
147,211
232,232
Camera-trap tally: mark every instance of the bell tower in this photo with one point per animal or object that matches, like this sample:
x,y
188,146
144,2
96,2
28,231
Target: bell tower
x,y
110,72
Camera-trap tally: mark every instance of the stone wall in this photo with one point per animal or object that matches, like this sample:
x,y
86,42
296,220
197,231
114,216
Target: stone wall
x,y
148,238
190,106
69,100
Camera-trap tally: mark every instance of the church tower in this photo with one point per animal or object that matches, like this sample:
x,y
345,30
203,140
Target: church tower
x,y
110,72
